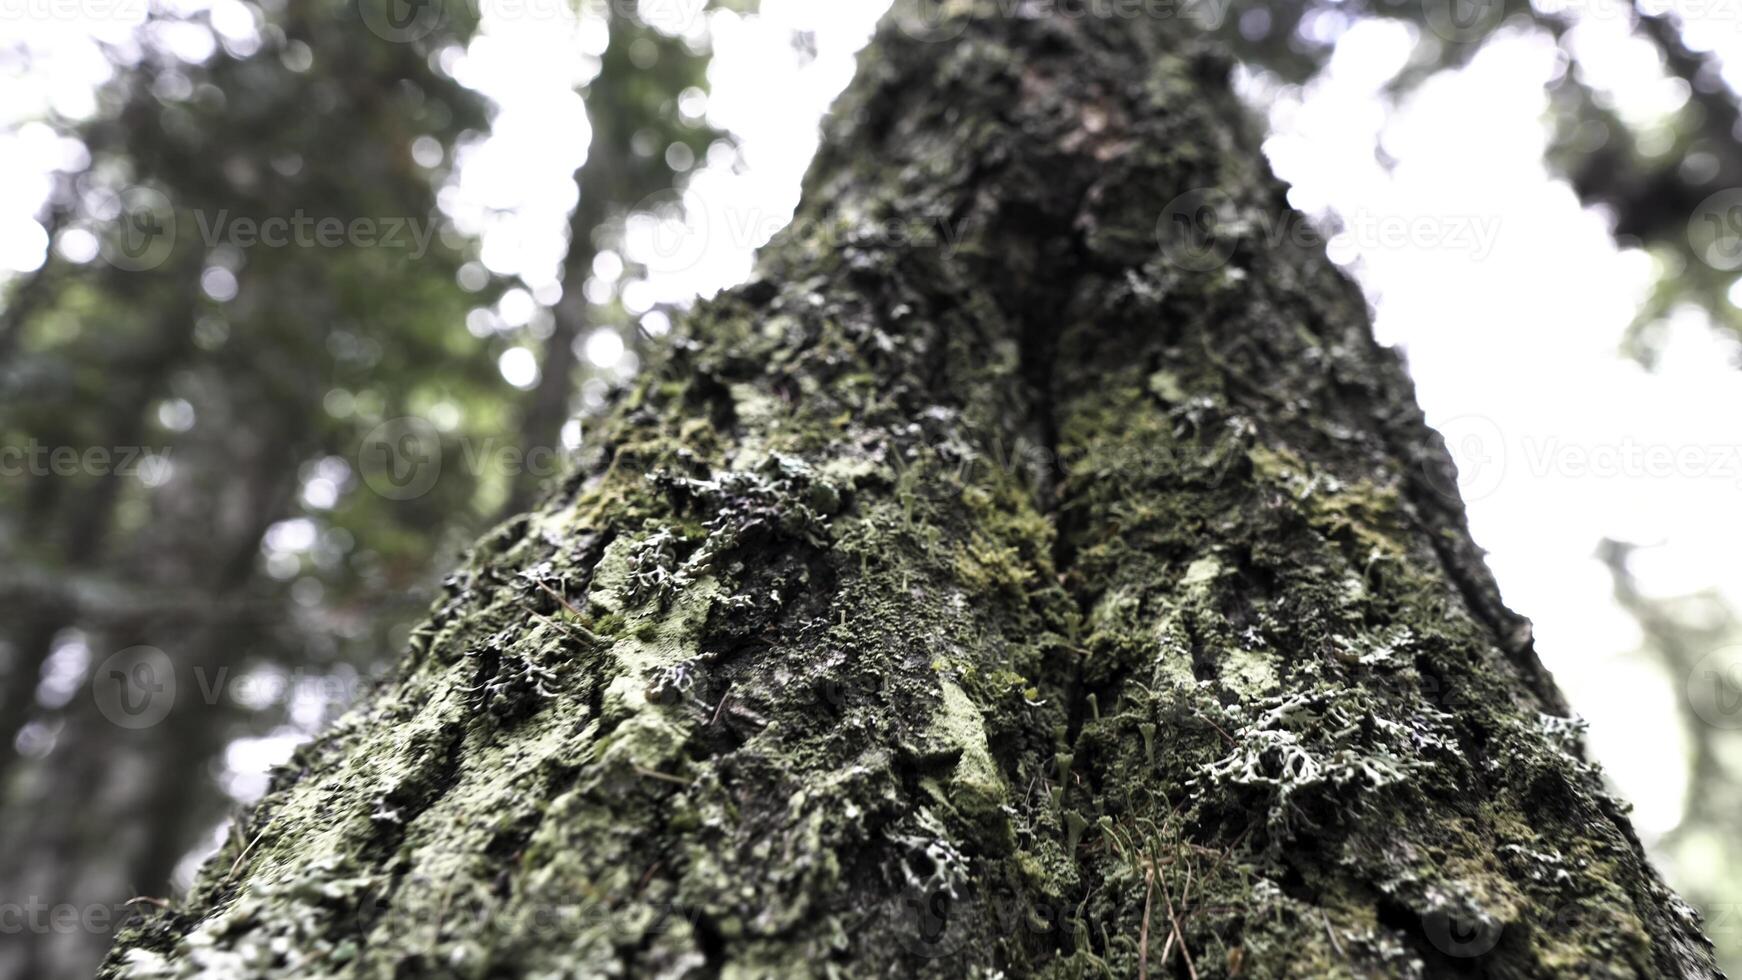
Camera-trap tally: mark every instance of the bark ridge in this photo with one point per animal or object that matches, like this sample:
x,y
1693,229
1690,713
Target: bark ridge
x,y
1046,589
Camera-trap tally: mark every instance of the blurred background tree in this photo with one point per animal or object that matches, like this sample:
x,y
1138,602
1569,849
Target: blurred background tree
x,y
1680,636
1654,180
249,547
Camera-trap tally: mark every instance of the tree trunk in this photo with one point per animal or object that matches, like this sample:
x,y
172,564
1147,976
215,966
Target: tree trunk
x,y
1011,578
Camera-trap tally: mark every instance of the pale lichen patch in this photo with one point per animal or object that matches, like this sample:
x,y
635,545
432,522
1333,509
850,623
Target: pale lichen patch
x,y
976,786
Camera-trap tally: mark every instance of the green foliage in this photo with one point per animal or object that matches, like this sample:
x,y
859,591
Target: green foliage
x,y
283,383
1664,183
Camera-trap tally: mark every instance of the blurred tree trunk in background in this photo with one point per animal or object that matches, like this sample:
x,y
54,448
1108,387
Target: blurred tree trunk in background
x,y
1697,640
218,359
255,372
1039,568
642,75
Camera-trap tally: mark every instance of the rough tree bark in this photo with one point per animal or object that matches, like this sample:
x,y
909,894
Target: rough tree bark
x,y
1045,597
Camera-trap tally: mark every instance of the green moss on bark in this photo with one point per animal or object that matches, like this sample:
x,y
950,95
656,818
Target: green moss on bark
x,y
1022,600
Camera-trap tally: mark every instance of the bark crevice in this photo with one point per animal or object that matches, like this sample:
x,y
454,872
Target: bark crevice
x,y
975,604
